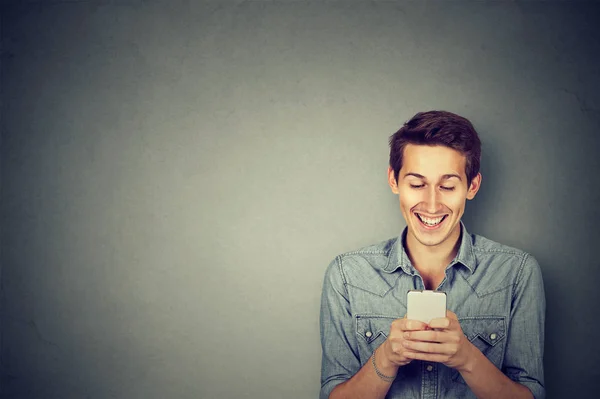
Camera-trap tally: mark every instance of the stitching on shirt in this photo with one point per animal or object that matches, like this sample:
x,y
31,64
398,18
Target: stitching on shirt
x,y
385,254
368,318
374,293
389,244
481,295
370,292
481,334
364,253
518,253
482,317
519,275
503,251
373,316
521,267
338,262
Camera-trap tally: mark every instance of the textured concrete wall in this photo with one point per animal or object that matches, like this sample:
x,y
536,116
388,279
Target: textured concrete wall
x,y
176,176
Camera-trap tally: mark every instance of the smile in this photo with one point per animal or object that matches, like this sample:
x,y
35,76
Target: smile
x,y
431,222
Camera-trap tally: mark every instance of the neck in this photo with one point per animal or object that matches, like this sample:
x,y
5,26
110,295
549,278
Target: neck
x,y
433,259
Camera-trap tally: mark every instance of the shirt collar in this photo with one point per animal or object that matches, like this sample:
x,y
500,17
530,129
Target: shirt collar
x,y
465,255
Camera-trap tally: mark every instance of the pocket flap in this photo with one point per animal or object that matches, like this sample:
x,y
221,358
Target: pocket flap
x,y
491,329
370,327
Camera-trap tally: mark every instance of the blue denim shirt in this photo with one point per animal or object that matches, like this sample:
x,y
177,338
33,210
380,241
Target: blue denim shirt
x,y
495,290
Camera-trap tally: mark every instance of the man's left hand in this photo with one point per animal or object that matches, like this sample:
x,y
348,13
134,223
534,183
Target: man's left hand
x,y
444,342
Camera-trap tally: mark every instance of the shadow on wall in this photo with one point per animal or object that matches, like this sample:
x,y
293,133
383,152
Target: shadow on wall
x,y
481,211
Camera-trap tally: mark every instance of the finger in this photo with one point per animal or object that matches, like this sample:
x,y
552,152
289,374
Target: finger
x,y
429,347
430,336
428,357
436,336
454,325
442,323
405,324
451,315
413,325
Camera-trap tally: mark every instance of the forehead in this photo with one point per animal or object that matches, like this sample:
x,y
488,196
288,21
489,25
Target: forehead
x,y
432,161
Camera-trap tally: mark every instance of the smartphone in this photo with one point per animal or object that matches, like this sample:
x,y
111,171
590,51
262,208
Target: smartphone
x,y
425,305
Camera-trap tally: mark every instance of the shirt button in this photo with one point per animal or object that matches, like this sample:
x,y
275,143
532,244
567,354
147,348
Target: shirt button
x,y
368,334
429,368
493,336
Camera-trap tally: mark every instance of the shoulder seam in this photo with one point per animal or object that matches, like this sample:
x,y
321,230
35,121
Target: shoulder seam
x,y
359,252
503,251
338,261
520,273
370,251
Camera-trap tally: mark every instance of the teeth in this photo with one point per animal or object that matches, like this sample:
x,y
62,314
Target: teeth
x,y
430,221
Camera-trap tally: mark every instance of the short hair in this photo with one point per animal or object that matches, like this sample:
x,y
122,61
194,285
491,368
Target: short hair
x,y
438,128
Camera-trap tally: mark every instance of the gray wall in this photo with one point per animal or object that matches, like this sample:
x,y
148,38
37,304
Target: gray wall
x,y
176,176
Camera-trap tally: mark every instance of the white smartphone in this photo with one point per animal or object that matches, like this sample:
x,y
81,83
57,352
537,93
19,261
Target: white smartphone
x,y
425,305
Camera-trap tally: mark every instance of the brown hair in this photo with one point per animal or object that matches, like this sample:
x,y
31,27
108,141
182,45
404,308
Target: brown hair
x,y
438,128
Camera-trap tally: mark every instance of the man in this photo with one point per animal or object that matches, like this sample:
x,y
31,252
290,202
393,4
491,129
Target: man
x,y
490,344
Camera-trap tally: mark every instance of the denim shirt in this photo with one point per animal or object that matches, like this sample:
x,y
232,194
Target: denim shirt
x,y
496,292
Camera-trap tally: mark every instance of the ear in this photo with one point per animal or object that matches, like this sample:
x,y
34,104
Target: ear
x,y
392,180
475,184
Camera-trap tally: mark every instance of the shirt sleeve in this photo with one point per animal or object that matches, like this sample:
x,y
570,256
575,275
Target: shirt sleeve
x,y
340,360
523,360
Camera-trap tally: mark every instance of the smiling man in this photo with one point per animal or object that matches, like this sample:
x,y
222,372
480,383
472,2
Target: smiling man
x,y
490,344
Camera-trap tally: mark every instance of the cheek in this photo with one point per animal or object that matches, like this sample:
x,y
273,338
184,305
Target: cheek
x,y
455,201
409,198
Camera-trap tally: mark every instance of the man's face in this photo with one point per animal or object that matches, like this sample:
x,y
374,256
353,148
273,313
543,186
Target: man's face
x,y
432,186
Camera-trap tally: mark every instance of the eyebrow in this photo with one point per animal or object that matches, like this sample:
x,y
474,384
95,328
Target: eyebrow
x,y
444,177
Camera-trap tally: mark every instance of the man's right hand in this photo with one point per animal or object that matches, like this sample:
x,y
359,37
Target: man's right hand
x,y
391,353
389,356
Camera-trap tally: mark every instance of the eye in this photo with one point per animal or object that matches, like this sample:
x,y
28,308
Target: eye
x,y
417,185
447,188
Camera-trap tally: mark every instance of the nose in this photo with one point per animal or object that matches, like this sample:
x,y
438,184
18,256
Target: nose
x,y
432,200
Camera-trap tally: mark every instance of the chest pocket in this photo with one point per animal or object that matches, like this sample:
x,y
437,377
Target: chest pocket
x,y
371,331
486,333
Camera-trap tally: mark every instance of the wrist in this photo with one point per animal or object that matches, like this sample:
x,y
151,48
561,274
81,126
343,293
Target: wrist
x,y
471,359
383,375
383,360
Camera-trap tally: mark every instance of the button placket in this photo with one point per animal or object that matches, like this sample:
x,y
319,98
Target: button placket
x,y
429,384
